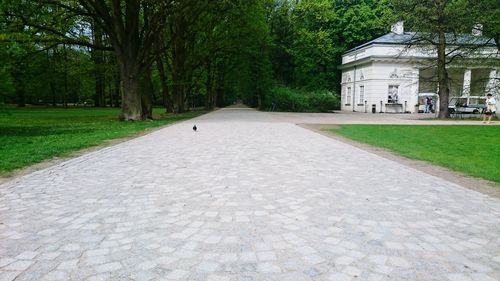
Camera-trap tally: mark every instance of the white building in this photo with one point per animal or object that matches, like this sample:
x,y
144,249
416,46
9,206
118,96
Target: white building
x,y
388,73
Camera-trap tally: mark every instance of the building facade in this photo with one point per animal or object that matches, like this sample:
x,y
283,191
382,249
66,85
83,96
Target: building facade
x,y
389,74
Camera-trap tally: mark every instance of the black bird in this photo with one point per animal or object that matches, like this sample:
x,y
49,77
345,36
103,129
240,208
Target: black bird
x,y
195,128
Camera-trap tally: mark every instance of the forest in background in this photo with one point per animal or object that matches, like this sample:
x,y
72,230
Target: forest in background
x,y
133,54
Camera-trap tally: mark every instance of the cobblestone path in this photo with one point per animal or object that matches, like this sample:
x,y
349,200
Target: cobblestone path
x,y
245,198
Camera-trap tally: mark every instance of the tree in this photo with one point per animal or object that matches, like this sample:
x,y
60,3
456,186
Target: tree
x,y
310,36
132,27
440,25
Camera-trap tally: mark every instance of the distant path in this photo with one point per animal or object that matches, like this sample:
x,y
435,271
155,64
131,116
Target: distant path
x,y
346,117
250,196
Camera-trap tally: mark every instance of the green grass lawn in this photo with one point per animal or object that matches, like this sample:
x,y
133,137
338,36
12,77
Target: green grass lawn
x,y
473,150
31,135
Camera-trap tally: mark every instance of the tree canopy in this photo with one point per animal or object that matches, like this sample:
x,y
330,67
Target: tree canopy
x,y
184,54
445,26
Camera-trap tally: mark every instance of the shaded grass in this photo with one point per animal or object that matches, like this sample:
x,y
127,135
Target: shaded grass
x,y
31,135
473,150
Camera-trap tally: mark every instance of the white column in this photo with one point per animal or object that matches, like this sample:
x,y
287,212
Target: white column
x,y
467,78
493,86
416,83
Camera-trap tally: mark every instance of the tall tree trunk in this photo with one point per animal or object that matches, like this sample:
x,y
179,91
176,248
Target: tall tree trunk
x,y
167,99
147,95
209,105
19,86
444,90
109,90
179,93
220,100
130,89
178,63
52,83
53,91
98,58
66,90
21,96
117,89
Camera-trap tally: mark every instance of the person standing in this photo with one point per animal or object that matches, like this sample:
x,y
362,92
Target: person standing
x,y
428,105
490,108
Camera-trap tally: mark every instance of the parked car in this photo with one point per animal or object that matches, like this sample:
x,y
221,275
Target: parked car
x,y
467,104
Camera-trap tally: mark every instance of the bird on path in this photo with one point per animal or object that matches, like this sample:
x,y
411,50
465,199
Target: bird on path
x,y
195,128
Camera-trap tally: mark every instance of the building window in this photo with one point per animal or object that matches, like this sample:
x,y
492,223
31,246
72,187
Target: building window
x,y
348,98
361,94
392,96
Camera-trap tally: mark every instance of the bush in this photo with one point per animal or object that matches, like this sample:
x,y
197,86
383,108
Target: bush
x,y
281,98
286,99
323,101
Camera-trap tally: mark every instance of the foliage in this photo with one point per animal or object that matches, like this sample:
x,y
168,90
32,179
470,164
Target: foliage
x,y
313,49
286,99
282,98
323,101
468,149
310,37
438,23
189,53
30,135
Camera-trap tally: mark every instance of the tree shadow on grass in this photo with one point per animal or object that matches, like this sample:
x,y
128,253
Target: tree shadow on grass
x,y
40,131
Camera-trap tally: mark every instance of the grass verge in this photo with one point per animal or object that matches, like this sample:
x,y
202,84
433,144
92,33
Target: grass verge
x,y
31,135
473,150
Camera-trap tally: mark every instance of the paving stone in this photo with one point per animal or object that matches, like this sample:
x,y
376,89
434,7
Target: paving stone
x,y
108,267
339,277
399,262
208,266
312,272
459,277
245,278
55,275
248,267
9,275
70,247
344,260
250,195
482,277
213,239
177,274
266,256
378,259
18,265
147,265
97,252
28,255
228,258
267,267
248,257
68,265
5,261
216,277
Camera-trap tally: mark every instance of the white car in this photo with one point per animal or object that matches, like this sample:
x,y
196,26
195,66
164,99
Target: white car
x,y
468,104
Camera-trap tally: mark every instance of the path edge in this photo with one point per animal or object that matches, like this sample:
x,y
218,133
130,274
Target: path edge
x,y
477,184
57,160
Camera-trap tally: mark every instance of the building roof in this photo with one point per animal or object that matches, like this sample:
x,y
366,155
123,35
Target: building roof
x,y
417,38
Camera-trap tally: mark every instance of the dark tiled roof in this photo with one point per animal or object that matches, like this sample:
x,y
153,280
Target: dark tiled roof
x,y
418,38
